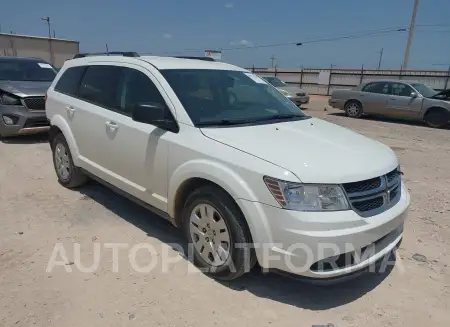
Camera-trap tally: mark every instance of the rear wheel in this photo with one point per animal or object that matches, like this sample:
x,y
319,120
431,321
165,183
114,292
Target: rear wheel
x,y
217,234
353,109
68,174
437,117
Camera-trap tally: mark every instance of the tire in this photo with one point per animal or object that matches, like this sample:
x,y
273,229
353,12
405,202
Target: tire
x,y
68,174
210,217
353,109
437,118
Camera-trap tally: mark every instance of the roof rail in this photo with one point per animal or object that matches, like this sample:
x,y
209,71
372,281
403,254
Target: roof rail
x,y
196,58
112,53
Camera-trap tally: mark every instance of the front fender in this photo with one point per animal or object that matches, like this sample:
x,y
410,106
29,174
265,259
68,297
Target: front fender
x,y
61,123
212,171
231,182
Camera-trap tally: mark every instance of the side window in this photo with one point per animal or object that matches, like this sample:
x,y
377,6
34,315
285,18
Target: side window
x,y
368,87
400,89
378,87
70,81
101,85
137,88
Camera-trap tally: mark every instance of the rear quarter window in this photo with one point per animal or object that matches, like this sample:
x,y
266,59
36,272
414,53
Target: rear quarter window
x,y
69,82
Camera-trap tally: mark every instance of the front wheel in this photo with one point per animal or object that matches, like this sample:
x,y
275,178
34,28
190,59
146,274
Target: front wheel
x,y
437,118
217,234
353,109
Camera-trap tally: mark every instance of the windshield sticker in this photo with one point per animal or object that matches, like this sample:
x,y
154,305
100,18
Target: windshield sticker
x,y
256,78
43,65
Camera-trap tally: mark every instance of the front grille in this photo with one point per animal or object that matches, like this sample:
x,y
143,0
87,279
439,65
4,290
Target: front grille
x,y
363,186
373,196
301,94
36,122
34,103
368,205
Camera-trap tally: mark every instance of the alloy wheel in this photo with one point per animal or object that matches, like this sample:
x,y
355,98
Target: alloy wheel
x,y
210,235
62,163
353,109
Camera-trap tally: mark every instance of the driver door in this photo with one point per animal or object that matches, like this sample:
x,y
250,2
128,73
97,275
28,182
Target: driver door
x,y
401,104
138,152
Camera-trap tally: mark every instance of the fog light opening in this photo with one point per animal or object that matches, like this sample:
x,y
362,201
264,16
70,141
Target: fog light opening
x,y
8,120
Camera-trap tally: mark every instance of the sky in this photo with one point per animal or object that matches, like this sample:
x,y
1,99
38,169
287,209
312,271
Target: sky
x,y
175,27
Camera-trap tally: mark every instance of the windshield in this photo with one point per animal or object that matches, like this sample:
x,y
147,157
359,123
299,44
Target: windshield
x,y
426,91
26,70
275,81
221,97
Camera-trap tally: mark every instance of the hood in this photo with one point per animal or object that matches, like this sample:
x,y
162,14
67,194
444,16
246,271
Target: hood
x,y
25,88
314,150
442,94
291,89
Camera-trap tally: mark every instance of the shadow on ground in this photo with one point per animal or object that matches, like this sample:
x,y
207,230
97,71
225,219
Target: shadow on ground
x,y
388,120
270,286
25,139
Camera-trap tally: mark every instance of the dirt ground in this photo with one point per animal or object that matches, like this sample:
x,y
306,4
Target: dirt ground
x,y
36,213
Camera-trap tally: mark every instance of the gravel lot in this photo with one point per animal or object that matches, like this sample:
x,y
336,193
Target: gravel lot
x,y
36,213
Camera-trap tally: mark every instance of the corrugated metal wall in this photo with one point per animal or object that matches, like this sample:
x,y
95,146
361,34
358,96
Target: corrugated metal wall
x,y
38,47
308,79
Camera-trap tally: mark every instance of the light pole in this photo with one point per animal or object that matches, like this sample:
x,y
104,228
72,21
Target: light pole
x,y
52,59
381,58
47,19
410,36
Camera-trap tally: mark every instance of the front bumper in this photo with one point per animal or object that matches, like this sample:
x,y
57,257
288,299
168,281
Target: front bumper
x,y
299,242
299,100
25,121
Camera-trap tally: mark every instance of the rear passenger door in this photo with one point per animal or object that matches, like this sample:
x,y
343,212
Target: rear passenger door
x,y
374,97
97,96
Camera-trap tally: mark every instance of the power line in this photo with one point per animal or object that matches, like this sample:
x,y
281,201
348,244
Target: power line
x,y
310,41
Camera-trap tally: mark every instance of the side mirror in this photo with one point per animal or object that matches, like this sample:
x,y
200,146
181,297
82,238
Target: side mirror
x,y
413,95
156,114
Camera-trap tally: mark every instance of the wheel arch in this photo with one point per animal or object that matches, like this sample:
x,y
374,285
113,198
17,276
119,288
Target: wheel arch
x,y
195,174
59,125
353,100
435,108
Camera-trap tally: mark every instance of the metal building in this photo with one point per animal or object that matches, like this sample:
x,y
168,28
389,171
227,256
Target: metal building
x,y
52,50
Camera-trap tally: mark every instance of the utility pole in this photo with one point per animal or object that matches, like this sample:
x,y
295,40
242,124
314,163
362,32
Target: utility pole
x,y
107,50
381,58
411,34
273,60
47,19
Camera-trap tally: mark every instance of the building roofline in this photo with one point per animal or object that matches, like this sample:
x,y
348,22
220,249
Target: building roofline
x,y
37,37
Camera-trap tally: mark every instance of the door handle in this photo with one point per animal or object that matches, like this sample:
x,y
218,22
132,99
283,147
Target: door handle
x,y
112,125
70,109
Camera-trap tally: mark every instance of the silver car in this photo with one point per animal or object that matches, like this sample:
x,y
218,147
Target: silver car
x,y
294,93
23,84
398,99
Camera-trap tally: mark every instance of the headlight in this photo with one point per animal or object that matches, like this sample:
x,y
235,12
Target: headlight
x,y
307,197
285,93
9,100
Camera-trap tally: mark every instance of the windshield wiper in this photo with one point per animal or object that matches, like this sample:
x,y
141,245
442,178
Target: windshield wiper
x,y
222,122
283,116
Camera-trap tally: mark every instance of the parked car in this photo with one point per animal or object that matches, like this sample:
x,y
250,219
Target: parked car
x,y
234,173
23,84
292,92
400,99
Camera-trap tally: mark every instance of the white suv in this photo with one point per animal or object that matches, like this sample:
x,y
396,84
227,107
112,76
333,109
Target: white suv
x,y
221,153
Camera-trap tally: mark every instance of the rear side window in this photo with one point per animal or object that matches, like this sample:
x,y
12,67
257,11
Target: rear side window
x,y
101,85
379,87
70,80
